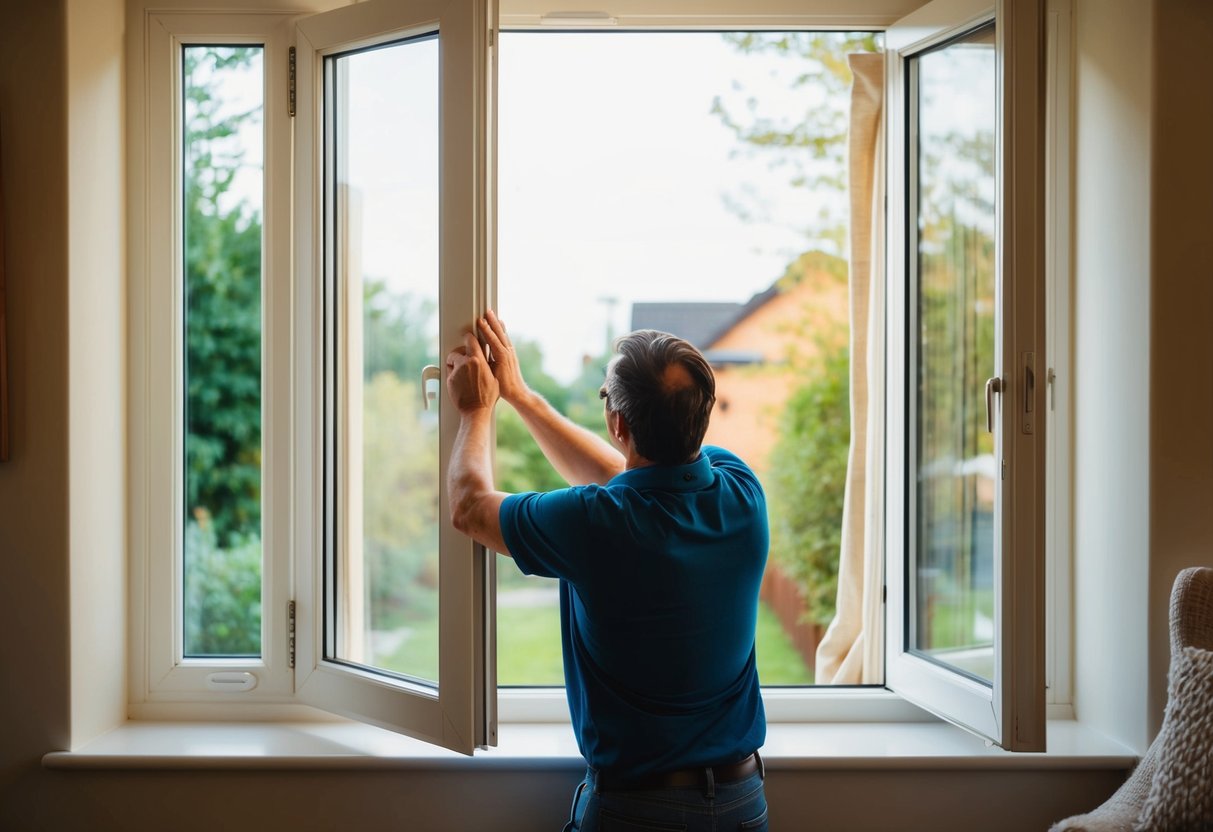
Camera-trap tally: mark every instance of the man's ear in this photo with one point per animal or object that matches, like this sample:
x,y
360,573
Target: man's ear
x,y
619,427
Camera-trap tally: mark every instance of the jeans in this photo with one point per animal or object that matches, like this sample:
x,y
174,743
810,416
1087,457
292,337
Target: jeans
x,y
719,807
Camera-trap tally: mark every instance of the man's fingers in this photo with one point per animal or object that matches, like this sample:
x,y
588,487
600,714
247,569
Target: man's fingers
x,y
471,346
491,336
497,327
458,356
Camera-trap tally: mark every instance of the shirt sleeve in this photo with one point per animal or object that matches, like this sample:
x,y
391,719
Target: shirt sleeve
x,y
546,533
729,461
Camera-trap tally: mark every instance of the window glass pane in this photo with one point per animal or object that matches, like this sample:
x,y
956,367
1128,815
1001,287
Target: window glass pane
x,y
384,153
955,462
693,183
223,136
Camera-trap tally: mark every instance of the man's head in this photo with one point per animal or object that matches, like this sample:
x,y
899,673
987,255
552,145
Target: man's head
x,y
664,389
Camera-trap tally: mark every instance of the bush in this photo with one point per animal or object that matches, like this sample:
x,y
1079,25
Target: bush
x,y
809,481
222,590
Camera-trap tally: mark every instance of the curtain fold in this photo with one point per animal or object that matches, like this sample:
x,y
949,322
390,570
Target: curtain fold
x,y
852,650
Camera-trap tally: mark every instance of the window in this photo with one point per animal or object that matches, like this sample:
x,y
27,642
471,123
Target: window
x,y
692,182
210,485
965,543
392,173
222,139
367,603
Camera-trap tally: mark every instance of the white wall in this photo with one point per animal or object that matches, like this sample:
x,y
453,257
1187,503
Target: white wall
x,y
63,330
1181,307
97,415
1111,354
34,504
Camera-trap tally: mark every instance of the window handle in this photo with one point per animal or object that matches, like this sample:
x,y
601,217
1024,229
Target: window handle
x,y
1028,361
431,377
993,385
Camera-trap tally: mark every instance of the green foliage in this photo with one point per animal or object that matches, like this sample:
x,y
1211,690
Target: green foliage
x,y
398,331
222,594
399,502
223,309
521,465
812,148
809,481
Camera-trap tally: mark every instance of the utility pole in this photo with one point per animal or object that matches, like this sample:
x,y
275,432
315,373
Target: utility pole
x,y
610,302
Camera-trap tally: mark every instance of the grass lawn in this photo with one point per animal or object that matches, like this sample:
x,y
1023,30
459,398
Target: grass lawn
x,y
778,661
528,650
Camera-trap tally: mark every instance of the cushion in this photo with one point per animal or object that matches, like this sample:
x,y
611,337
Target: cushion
x,y
1181,793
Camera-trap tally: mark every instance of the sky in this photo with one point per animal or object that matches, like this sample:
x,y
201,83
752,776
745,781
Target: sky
x,y
614,177
614,180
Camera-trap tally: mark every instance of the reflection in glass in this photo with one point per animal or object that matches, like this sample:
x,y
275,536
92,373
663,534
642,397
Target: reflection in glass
x,y
383,105
955,470
222,137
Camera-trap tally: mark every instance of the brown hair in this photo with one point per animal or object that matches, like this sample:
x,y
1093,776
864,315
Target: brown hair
x,y
665,389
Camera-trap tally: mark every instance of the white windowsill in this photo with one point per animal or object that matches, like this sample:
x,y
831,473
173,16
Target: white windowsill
x,y
349,745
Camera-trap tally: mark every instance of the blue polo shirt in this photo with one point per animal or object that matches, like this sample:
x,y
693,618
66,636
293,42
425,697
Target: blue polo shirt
x,y
659,574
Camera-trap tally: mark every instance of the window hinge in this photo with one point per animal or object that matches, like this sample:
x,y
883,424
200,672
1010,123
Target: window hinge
x,y
290,634
1051,380
884,594
491,38
290,111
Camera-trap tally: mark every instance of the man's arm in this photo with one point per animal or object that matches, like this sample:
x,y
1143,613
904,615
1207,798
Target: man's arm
x,y
475,504
579,455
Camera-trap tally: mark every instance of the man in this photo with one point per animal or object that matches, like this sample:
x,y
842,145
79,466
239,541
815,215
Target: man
x,y
659,545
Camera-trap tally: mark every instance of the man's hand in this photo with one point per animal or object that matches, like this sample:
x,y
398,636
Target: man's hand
x,y
505,360
469,380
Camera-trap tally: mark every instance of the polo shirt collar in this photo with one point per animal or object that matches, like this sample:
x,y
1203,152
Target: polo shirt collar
x,y
690,477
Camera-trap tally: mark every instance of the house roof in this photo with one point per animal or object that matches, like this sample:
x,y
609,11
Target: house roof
x,y
697,322
701,323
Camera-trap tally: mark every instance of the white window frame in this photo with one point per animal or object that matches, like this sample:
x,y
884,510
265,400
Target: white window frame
x,y
1011,711
1059,627
459,713
158,671
161,683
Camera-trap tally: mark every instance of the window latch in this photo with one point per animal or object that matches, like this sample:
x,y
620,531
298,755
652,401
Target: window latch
x,y
431,377
993,385
1027,363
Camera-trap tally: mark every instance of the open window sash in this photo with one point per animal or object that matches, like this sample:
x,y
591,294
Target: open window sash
x,y
965,266
393,149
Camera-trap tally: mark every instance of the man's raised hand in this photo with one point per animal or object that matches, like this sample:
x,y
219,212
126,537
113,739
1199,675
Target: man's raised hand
x,y
505,359
469,379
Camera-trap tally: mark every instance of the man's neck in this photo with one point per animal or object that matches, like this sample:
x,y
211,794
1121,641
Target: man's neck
x,y
634,460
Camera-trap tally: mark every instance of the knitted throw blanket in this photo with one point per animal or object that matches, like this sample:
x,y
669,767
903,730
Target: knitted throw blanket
x,y
1181,791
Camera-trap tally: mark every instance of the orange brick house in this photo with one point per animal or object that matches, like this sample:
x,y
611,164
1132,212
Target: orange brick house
x,y
757,347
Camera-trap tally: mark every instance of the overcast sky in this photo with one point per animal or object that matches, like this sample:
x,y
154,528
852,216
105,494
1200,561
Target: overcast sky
x,y
614,176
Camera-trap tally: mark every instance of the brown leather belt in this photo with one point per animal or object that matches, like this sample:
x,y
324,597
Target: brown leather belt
x,y
685,777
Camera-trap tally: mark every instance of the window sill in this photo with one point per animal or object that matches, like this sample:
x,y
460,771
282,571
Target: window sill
x,y
348,745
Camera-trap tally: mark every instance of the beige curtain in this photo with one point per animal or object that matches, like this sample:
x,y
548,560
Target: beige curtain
x,y
852,650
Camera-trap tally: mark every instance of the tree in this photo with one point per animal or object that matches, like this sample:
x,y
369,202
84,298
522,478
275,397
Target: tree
x,y
813,148
399,501
521,465
222,580
223,308
809,483
808,486
398,331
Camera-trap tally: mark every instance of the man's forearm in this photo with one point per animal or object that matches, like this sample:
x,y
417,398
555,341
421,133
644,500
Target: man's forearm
x,y
579,455
475,504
